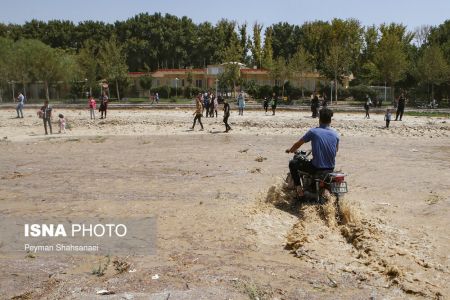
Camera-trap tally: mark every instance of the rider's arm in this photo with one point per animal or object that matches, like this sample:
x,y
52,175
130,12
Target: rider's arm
x,y
297,145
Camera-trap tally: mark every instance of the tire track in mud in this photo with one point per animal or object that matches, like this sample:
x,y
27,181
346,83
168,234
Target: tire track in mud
x,y
376,248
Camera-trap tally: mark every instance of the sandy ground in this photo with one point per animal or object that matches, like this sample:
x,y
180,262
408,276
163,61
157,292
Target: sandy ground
x,y
226,226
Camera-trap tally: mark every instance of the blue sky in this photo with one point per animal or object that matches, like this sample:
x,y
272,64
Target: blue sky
x,y
412,13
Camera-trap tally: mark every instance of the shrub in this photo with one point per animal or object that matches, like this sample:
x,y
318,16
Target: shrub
x,y
163,91
359,92
192,91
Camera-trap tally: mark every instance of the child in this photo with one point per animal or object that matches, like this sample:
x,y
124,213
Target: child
x,y
387,117
92,105
103,106
266,104
62,123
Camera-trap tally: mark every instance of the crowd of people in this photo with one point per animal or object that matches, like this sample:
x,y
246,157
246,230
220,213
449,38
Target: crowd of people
x,y
207,105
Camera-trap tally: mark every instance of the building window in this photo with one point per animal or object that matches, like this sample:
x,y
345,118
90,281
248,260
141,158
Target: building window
x,y
214,71
199,83
182,82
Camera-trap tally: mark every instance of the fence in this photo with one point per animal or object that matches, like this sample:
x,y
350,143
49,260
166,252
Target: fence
x,y
384,93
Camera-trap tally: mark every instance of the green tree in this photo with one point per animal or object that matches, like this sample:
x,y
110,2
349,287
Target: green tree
x,y
314,38
256,45
390,58
284,42
53,66
88,61
146,83
267,59
440,36
349,35
370,43
337,62
299,65
189,80
366,72
227,40
59,34
113,62
432,67
23,61
244,42
232,56
6,54
280,72
398,30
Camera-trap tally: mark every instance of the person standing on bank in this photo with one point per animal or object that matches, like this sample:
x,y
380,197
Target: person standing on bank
x,y
400,106
315,104
92,105
241,103
274,103
20,104
103,106
226,115
46,113
198,112
367,105
387,117
62,123
216,105
266,104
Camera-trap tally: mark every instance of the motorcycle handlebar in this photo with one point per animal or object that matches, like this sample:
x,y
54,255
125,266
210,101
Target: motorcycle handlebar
x,y
307,153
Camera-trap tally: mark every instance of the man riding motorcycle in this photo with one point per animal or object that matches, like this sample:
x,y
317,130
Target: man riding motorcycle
x,y
324,143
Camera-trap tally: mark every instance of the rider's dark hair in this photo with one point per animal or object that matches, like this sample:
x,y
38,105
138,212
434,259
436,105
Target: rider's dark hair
x,y
325,115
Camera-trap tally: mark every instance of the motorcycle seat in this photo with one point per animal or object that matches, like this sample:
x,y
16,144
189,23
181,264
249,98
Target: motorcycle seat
x,y
322,174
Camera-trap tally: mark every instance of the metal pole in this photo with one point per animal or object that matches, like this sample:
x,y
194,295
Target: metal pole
x,y
385,92
331,90
13,93
217,81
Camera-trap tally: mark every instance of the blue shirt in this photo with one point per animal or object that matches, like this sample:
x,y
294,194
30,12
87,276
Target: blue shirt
x,y
21,99
324,142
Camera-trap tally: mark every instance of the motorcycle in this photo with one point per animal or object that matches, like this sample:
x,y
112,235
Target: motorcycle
x,y
315,185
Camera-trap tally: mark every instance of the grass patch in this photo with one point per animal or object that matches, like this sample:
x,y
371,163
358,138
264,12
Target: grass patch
x,y
73,140
102,266
427,114
146,101
254,291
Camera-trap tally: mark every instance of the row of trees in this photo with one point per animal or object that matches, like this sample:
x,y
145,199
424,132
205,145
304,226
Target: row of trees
x,y
384,55
376,55
29,60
